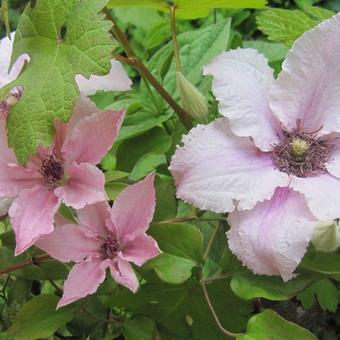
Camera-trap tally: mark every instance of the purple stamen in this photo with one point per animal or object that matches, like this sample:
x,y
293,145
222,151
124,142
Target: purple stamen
x,y
110,247
52,170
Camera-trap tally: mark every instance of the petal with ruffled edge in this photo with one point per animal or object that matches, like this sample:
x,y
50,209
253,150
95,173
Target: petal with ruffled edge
x,y
322,195
93,217
84,279
123,273
69,243
116,80
141,249
133,209
6,75
216,170
241,83
32,215
308,88
92,137
272,238
85,185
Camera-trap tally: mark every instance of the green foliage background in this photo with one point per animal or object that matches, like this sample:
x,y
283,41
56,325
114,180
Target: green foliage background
x,y
171,304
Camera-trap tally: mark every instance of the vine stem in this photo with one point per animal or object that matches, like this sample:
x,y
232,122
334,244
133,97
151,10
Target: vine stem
x,y
28,262
135,62
174,37
213,312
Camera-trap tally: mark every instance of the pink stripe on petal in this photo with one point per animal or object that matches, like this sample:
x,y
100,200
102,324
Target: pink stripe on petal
x,y
272,238
84,279
216,170
308,88
133,210
69,243
241,83
85,185
123,273
32,215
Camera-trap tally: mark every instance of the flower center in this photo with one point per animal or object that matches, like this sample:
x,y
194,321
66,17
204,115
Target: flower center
x,y
52,170
302,154
110,247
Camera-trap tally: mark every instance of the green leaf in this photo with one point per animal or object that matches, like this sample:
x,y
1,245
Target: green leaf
x,y
189,9
171,269
284,25
318,13
269,325
63,38
145,165
113,189
249,286
39,318
139,328
4,16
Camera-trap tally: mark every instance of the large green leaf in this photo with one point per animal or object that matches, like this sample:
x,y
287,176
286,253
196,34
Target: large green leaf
x,y
139,328
39,318
63,38
269,325
189,9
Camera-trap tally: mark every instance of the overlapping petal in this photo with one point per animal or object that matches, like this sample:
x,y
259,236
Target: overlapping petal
x,y
123,273
272,238
69,243
84,279
242,79
116,80
133,209
218,171
32,215
85,185
308,88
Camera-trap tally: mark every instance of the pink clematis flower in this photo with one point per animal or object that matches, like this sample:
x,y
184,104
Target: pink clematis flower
x,y
64,172
106,238
275,158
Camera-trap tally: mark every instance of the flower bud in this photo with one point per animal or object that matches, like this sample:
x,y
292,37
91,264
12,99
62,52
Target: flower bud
x,y
13,97
327,236
192,99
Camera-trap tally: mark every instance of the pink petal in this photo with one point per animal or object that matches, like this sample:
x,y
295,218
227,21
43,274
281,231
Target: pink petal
x,y
322,194
116,80
308,88
7,155
133,209
272,238
333,166
32,215
92,137
241,83
69,243
84,279
84,186
141,249
93,217
14,178
123,273
215,170
6,76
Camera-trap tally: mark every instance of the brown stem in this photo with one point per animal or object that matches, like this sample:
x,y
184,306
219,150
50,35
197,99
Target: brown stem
x,y
217,320
134,61
28,262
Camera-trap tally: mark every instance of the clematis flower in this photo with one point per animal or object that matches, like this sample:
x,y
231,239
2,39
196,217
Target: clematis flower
x,y
64,172
273,162
106,238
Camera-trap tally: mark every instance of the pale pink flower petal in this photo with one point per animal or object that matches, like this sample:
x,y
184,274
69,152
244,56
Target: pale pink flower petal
x,y
84,279
68,243
215,170
141,249
14,178
92,137
308,88
32,215
133,210
322,195
241,83
333,166
123,273
6,75
116,80
272,238
93,217
85,185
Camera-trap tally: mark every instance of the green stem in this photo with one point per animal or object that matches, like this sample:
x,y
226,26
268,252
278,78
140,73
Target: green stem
x,y
210,243
174,37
